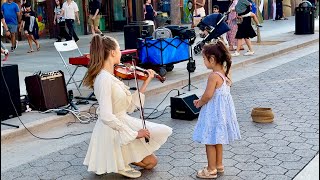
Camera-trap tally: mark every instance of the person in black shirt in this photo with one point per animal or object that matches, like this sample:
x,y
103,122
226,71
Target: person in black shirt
x,y
29,26
94,17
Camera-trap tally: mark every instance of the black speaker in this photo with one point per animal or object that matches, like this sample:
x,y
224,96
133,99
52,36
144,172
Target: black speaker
x,y
182,107
47,90
9,80
134,31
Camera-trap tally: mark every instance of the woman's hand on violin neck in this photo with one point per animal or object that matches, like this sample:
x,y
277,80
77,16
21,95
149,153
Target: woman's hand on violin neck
x,y
151,74
143,133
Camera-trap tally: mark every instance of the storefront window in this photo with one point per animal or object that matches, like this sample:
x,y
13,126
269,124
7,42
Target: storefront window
x,y
40,7
118,10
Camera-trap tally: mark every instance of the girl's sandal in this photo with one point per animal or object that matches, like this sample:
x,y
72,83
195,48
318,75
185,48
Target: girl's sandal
x,y
205,174
38,48
220,170
30,51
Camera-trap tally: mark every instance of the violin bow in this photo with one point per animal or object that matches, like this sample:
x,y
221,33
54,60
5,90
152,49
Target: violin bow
x,y
144,126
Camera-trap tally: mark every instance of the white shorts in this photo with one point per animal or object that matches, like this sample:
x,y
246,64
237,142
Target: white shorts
x,y
200,11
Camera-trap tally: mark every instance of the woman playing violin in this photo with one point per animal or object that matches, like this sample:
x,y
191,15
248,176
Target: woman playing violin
x,y
118,139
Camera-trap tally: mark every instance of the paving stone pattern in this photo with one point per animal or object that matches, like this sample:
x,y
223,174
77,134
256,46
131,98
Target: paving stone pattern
x,y
278,150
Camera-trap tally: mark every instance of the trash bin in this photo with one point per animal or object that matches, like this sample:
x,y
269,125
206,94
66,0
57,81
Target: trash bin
x,y
135,30
304,20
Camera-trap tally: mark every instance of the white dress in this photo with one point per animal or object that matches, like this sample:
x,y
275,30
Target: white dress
x,y
113,143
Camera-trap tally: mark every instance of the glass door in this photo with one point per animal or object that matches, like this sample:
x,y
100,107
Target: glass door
x,y
105,15
119,19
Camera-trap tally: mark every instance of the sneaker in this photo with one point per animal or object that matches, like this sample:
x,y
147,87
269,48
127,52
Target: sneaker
x,y
249,53
16,45
12,49
130,173
235,54
6,55
259,25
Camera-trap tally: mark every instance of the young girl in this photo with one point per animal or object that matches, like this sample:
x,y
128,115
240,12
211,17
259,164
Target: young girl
x,y
118,139
217,123
29,25
61,22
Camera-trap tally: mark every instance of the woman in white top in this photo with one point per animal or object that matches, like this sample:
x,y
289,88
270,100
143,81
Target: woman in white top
x,y
118,139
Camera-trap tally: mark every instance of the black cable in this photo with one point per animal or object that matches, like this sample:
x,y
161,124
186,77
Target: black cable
x,y
163,112
148,117
6,85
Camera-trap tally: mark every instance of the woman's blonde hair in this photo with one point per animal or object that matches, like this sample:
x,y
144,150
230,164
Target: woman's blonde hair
x,y
100,49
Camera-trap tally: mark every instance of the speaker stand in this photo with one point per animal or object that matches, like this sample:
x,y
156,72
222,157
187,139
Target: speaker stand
x,y
190,67
11,125
72,106
91,97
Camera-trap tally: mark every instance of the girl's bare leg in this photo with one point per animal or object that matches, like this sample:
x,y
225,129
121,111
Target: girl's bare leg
x,y
211,157
248,42
29,42
219,149
35,41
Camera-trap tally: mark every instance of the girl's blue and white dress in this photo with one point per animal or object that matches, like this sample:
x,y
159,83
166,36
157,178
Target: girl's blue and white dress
x,y
217,122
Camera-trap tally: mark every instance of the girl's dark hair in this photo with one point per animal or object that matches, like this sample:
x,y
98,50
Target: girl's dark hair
x,y
100,49
60,4
220,52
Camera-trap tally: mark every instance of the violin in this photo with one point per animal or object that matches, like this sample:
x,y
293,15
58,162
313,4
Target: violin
x,y
127,72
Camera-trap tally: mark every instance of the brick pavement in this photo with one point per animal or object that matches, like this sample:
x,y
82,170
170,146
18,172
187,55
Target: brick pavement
x,y
267,151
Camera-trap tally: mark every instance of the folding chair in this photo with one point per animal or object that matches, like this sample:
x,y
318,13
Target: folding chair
x,y
65,47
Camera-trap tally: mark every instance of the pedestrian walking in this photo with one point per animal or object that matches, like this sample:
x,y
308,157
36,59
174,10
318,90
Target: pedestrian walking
x,y
11,13
244,9
217,123
232,23
60,20
199,12
149,12
70,11
29,27
245,32
118,139
4,26
94,17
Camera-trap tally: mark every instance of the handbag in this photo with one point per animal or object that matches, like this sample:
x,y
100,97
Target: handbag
x,y
239,20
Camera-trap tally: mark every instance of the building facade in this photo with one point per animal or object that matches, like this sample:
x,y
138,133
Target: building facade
x,y
117,13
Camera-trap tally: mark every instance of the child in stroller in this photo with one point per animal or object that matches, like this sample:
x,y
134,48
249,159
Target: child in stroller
x,y
211,27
